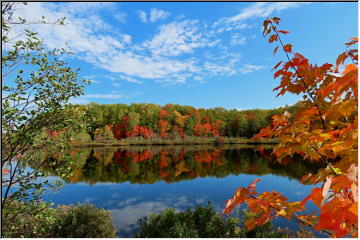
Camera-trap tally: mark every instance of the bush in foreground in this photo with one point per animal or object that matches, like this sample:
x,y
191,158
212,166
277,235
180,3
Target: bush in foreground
x,y
35,220
202,222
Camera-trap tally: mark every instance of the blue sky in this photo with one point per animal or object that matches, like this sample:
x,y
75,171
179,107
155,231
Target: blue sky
x,y
199,54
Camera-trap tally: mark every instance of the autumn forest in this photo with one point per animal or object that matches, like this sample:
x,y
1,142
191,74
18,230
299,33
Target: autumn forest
x,y
150,121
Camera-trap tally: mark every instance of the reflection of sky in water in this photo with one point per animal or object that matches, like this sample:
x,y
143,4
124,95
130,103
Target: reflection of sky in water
x,y
130,202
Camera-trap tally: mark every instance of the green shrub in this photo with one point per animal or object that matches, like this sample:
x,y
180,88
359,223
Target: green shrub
x,y
28,220
85,221
203,222
39,219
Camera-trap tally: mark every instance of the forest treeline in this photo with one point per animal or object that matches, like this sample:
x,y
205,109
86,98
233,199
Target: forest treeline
x,y
151,121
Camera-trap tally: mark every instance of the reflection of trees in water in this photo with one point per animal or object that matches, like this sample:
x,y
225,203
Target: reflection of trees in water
x,y
145,165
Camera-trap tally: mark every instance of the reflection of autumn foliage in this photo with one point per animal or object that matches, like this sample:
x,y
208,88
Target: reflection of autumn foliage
x,y
163,163
75,175
144,165
141,156
125,157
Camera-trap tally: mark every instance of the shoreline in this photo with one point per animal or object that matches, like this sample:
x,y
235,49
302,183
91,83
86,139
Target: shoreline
x,y
169,142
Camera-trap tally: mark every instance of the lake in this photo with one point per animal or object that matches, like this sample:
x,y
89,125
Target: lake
x,y
133,182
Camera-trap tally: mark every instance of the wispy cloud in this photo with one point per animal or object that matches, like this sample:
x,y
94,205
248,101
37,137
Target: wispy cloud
x,y
116,84
176,38
114,95
111,95
153,16
263,9
130,79
237,39
248,68
121,17
260,9
142,15
156,14
180,51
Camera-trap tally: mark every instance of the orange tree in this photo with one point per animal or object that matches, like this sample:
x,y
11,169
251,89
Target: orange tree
x,y
325,128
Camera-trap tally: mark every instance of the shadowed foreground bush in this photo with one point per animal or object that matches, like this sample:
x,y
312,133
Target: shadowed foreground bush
x,y
34,220
203,222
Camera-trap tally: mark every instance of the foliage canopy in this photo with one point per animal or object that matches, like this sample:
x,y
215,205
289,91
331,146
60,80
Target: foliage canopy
x,y
325,128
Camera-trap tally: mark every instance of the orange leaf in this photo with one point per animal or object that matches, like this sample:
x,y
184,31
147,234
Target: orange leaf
x,y
349,68
229,206
273,38
278,73
253,184
354,208
315,196
301,57
275,50
277,65
287,48
340,60
276,20
354,40
284,32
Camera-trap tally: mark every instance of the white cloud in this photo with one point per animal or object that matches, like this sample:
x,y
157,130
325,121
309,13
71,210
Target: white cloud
x,y
104,96
156,14
113,95
199,79
80,35
80,8
130,79
121,17
115,84
248,68
142,15
237,39
174,55
235,26
263,9
259,9
177,38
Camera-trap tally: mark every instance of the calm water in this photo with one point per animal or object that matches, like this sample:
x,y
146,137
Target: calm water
x,y
133,182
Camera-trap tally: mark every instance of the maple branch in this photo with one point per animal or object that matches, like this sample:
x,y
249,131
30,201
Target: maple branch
x,y
321,156
301,78
294,217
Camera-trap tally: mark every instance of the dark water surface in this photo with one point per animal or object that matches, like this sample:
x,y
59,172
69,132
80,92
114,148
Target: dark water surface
x,y
133,182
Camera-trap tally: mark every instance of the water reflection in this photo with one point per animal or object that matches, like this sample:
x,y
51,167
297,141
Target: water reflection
x,y
133,182
173,164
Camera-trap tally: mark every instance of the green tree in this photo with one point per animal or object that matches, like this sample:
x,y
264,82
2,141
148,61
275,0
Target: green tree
x,y
37,86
